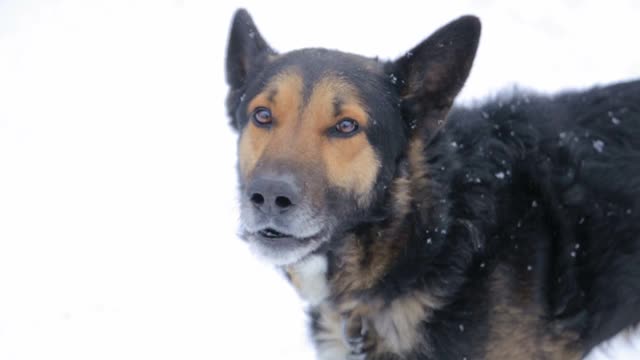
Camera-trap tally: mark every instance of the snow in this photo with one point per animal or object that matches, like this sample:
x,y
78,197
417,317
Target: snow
x,y
614,119
117,169
500,175
598,145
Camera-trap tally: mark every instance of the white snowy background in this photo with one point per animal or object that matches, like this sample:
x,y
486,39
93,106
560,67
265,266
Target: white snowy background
x,y
117,178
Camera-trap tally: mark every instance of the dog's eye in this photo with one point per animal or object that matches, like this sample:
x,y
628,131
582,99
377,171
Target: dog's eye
x,y
262,116
347,126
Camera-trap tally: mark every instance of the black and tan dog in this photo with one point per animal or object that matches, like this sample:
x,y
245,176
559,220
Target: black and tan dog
x,y
416,231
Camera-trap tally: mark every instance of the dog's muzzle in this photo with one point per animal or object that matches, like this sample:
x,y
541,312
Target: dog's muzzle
x,y
278,220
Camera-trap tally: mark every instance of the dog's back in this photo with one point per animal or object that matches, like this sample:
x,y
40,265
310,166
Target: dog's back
x,y
563,174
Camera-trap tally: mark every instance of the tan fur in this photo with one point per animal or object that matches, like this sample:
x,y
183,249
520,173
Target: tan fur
x,y
351,164
358,275
517,329
417,163
401,194
355,273
393,327
330,340
398,323
257,143
294,277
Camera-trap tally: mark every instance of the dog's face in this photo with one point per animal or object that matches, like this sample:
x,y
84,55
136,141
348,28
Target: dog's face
x,y
322,133
311,148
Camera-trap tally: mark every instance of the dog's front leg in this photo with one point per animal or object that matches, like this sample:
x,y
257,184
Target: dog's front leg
x,y
359,335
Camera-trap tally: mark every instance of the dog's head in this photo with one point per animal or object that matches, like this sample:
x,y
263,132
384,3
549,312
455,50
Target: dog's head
x,y
323,133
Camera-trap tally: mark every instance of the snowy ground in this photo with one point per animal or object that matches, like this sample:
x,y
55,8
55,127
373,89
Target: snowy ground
x,y
117,183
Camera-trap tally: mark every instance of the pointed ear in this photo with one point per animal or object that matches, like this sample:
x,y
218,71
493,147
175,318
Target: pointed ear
x,y
247,52
431,74
246,49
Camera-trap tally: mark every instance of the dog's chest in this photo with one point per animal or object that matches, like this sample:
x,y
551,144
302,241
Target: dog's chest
x,y
309,277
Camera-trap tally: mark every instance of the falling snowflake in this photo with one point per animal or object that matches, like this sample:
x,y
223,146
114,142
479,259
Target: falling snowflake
x,y
598,145
613,118
500,175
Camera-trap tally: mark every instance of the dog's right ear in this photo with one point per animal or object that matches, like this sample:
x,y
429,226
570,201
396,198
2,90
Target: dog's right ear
x,y
247,51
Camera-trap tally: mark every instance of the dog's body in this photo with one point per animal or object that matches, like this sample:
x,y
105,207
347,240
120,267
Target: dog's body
x,y
505,231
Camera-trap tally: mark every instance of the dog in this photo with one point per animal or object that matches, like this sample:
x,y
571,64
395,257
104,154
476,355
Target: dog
x,y
415,229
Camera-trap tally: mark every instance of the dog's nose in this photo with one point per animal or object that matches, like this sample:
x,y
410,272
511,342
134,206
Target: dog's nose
x,y
273,195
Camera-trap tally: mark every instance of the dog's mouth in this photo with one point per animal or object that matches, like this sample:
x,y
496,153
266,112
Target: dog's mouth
x,y
270,233
277,238
280,248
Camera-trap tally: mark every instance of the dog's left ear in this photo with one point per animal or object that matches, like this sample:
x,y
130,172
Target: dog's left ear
x,y
430,75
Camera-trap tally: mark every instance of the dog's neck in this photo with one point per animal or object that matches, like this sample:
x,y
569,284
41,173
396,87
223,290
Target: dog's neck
x,y
309,277
371,259
360,258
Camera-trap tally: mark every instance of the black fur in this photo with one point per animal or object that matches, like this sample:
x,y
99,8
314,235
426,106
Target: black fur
x,y
521,180
547,187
